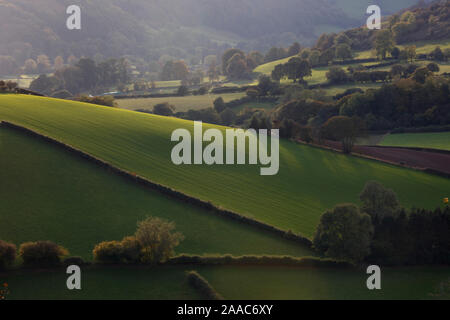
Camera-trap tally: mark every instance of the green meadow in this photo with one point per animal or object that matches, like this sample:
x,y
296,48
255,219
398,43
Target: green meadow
x,y
232,282
309,181
181,104
433,140
47,193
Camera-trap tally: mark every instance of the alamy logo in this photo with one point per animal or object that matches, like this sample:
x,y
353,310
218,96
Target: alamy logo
x,y
236,141
74,20
374,21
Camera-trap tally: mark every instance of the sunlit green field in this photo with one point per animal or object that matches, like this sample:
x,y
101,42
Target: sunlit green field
x,y
181,103
232,282
309,181
434,140
47,193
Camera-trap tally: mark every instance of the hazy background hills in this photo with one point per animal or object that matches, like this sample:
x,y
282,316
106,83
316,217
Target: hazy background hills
x,y
180,29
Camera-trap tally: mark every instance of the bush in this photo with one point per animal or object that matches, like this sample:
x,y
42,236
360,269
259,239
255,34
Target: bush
x,y
107,101
182,91
42,254
62,94
157,240
108,252
164,109
202,285
7,254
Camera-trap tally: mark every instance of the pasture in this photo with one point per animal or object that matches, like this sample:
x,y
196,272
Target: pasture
x,y
432,140
48,193
182,104
309,182
232,282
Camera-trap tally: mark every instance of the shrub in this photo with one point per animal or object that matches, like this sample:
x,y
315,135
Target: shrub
x,y
182,91
107,101
157,240
7,254
108,252
62,94
42,254
131,250
202,285
163,109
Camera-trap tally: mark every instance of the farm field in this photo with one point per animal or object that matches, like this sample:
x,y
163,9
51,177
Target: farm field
x,y
310,180
103,283
46,191
232,282
432,140
181,104
289,283
422,47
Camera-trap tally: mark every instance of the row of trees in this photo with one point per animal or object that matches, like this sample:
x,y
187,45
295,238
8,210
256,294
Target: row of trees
x,y
153,242
382,232
85,75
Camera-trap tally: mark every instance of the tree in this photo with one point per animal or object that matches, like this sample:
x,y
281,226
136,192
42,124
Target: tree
x,y
237,67
411,53
297,69
182,90
265,85
164,109
344,233
294,49
226,57
342,38
157,239
344,129
384,43
58,63
219,105
30,66
327,56
421,74
43,64
344,51
437,54
278,72
378,202
337,75
433,67
7,254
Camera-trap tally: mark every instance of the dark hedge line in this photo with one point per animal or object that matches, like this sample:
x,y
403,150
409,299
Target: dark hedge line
x,y
237,102
422,129
166,190
202,285
259,260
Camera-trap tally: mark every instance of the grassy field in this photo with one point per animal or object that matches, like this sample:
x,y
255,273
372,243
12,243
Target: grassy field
x,y
181,103
233,282
422,47
103,283
46,192
256,282
310,180
434,140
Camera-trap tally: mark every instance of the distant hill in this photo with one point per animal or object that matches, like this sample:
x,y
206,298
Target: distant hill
x,y
178,28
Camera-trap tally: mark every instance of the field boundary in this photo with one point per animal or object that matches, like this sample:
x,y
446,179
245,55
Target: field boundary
x,y
364,156
164,189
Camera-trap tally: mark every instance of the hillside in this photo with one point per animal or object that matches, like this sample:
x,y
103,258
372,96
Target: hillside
x,y
46,191
177,28
309,182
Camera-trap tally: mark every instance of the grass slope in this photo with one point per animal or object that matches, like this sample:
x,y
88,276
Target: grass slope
x,y
103,283
433,140
310,180
49,194
288,283
181,103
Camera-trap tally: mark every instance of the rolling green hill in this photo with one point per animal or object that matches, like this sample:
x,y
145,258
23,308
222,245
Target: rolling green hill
x,y
434,140
310,180
49,194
